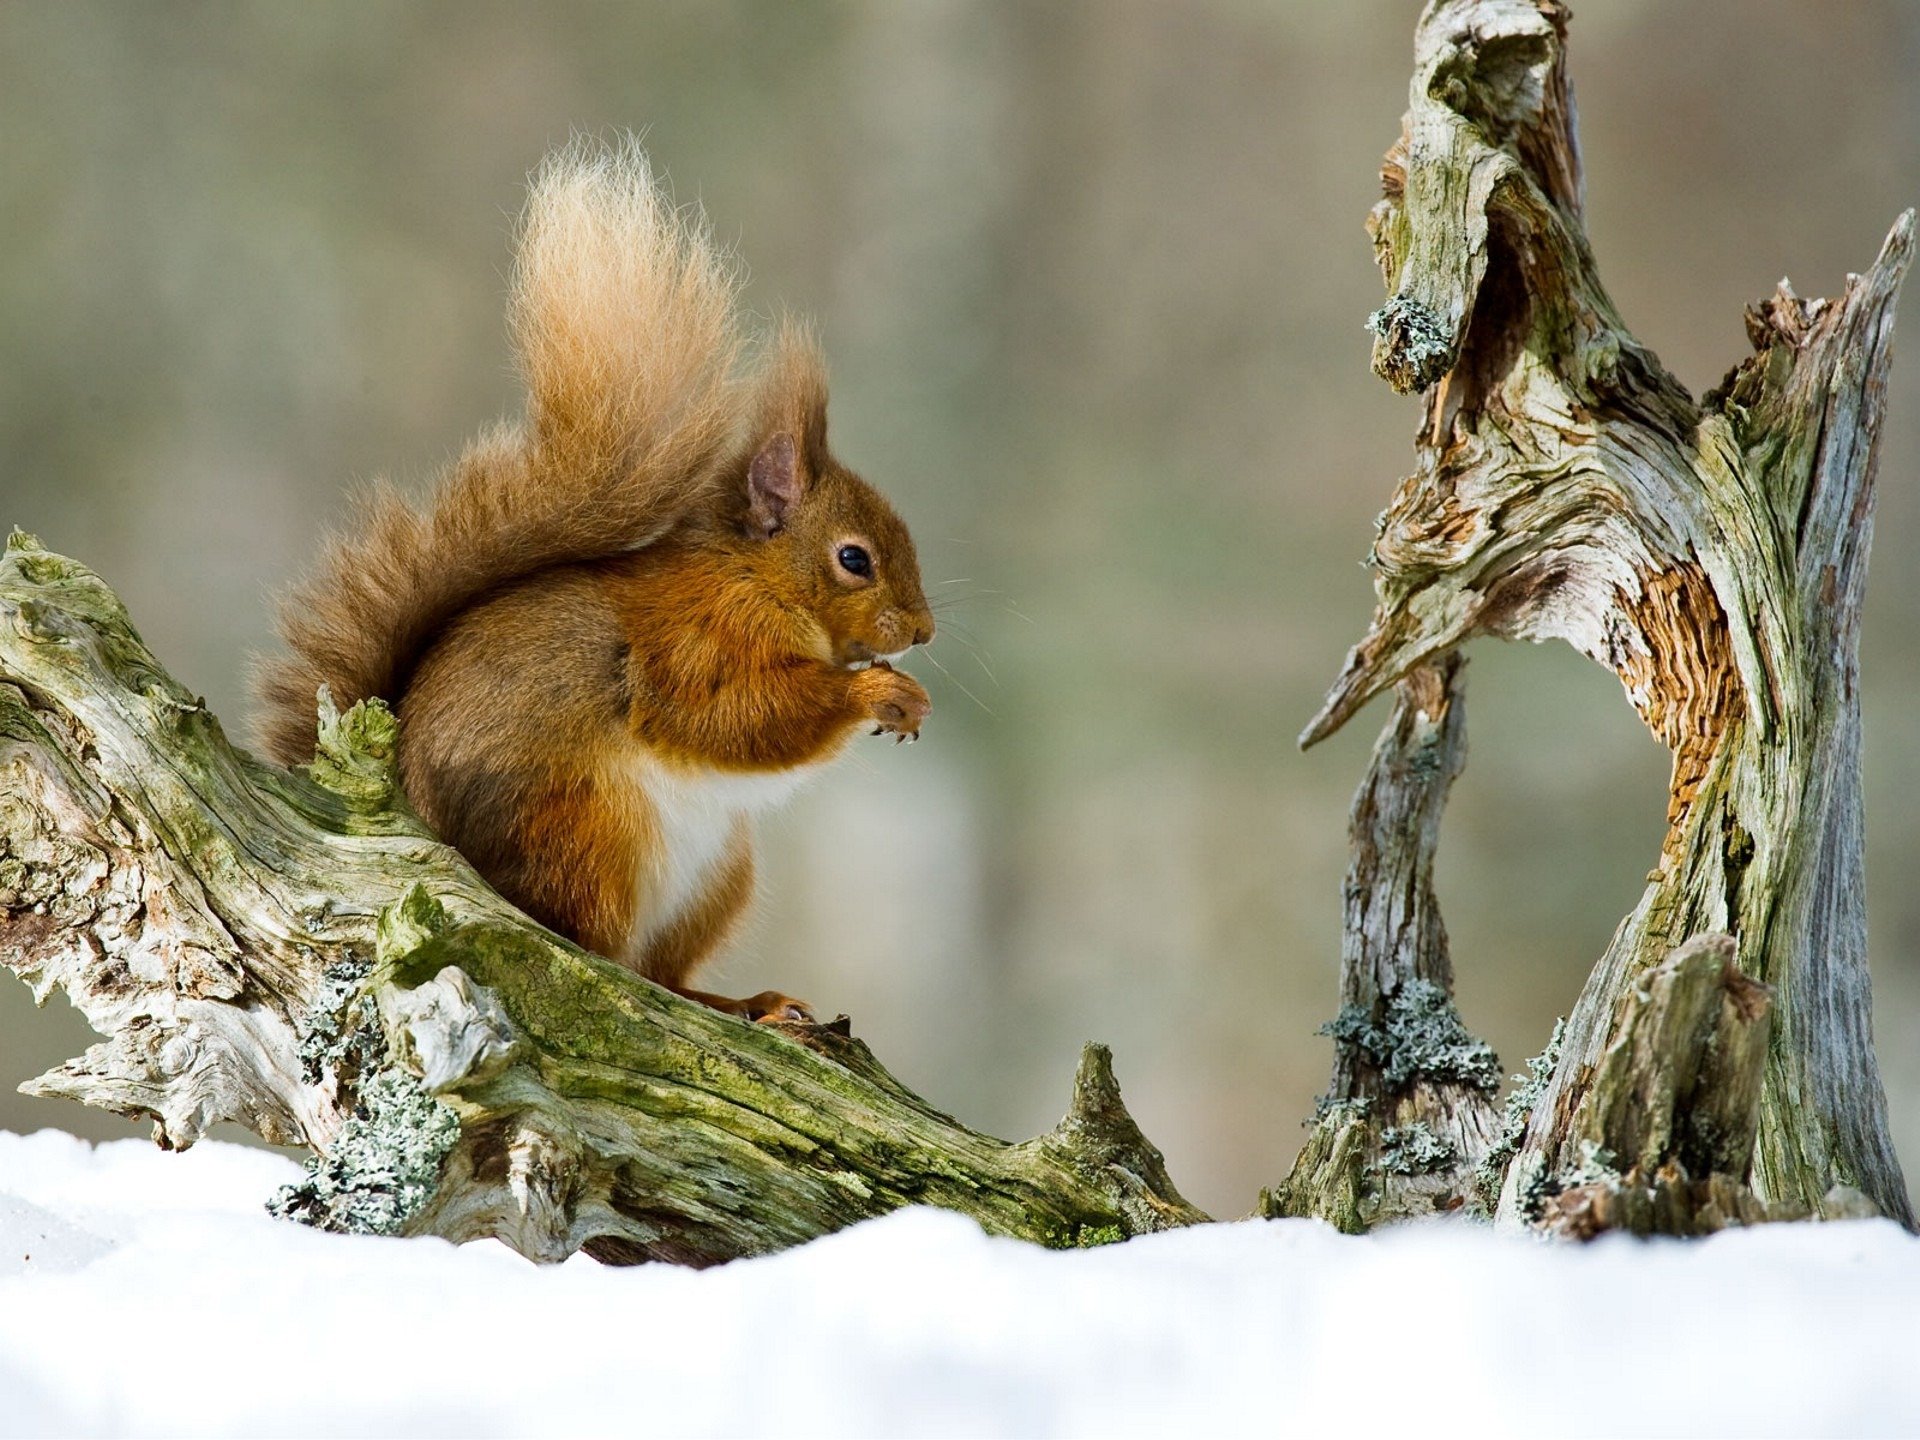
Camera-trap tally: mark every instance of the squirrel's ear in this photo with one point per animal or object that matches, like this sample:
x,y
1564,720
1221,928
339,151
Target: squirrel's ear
x,y
773,485
793,417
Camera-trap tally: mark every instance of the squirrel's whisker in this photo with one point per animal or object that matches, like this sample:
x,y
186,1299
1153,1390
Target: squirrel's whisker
x,y
960,684
973,647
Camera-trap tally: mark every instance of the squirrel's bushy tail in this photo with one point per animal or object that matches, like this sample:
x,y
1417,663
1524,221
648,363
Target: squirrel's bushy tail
x,y
623,313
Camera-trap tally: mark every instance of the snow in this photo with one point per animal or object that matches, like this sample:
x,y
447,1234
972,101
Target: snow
x,y
145,1293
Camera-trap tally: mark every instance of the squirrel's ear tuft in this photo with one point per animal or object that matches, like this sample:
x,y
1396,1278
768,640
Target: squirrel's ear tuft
x,y
793,394
774,484
793,419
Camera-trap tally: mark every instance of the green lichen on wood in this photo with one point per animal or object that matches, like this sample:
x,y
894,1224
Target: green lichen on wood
x,y
406,926
357,755
382,1168
384,1165
1416,338
341,1010
1358,1108
1414,1150
1537,1185
1418,1036
1526,1093
1330,1179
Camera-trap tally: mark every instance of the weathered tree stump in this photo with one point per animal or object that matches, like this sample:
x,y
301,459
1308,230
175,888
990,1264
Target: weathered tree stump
x,y
297,953
1712,553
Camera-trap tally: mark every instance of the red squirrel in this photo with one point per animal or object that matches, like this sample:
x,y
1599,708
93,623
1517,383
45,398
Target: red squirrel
x,y
623,626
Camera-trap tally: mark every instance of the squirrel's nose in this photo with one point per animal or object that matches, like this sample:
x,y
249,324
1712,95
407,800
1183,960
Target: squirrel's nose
x,y
923,630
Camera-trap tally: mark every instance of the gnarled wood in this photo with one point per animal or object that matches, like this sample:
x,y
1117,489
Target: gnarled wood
x,y
297,953
1711,553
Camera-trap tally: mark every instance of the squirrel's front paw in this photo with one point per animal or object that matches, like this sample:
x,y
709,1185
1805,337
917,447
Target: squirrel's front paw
x,y
896,703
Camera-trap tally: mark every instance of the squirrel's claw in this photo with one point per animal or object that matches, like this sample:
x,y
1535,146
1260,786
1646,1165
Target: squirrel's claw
x,y
895,704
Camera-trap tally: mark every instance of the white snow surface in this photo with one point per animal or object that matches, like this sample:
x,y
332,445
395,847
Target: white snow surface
x,y
145,1293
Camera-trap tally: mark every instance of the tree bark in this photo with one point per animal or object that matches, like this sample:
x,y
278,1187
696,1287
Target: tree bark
x,y
1712,553
297,953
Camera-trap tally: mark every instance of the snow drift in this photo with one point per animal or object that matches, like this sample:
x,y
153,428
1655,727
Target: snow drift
x,y
146,1293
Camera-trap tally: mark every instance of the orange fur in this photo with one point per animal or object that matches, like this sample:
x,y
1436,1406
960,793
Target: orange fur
x,y
583,881
616,625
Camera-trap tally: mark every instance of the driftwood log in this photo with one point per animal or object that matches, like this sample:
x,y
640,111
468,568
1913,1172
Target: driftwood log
x,y
1718,1066
297,953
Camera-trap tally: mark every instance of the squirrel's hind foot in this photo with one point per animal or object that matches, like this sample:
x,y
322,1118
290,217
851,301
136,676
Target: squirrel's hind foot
x,y
767,1005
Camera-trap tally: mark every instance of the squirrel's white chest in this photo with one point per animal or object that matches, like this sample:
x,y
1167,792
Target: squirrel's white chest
x,y
697,817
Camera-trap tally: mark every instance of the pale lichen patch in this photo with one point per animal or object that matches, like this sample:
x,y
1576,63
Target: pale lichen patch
x,y
1412,346
1418,1036
1415,1150
1526,1093
384,1165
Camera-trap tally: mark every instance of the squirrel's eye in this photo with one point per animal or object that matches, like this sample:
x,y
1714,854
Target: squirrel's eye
x,y
855,561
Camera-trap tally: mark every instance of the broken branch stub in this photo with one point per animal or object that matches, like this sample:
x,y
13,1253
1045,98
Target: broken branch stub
x,y
297,953
1711,553
1666,1126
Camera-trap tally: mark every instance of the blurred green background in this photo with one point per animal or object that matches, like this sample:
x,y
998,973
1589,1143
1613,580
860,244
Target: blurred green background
x,y
1092,278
